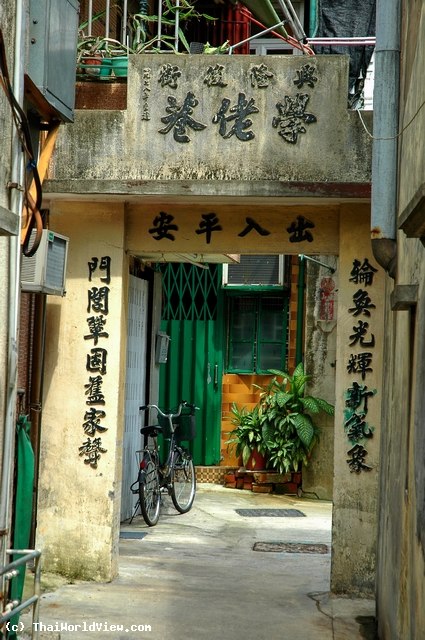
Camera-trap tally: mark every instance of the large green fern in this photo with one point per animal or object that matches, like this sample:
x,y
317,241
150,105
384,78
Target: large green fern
x,y
288,419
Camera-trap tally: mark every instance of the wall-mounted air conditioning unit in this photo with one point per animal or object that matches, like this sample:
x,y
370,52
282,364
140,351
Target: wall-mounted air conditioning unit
x,y
45,271
255,271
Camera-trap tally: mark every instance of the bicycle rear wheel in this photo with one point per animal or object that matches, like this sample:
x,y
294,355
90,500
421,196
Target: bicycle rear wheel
x,y
149,494
183,481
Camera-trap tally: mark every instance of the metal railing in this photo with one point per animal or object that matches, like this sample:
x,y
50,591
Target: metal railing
x,y
109,15
8,573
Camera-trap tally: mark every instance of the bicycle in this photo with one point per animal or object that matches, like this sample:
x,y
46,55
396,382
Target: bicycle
x,y
177,474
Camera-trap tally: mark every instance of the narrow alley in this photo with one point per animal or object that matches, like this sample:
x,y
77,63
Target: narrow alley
x,y
238,565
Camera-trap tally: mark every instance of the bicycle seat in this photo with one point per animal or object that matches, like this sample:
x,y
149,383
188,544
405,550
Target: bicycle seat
x,y
151,431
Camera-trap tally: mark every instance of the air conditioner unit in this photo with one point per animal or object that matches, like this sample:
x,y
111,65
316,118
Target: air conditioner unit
x,y
44,272
255,271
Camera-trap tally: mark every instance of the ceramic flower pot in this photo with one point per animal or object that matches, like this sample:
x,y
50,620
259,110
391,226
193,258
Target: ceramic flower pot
x,y
120,66
91,65
256,461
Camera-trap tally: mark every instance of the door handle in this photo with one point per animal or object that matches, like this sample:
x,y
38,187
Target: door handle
x,y
216,375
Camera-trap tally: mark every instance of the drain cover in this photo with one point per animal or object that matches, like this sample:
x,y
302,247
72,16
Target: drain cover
x,y
290,547
132,535
270,513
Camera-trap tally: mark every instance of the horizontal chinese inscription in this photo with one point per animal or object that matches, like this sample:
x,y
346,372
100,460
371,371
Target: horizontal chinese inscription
x,y
232,229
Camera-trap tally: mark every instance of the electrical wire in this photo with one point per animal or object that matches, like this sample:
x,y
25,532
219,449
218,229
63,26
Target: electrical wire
x,y
31,204
398,134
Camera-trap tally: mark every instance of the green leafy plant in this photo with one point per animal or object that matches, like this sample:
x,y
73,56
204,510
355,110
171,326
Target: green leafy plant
x,y
247,435
288,419
140,26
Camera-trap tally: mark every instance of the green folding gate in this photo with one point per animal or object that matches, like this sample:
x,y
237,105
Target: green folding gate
x,y
192,317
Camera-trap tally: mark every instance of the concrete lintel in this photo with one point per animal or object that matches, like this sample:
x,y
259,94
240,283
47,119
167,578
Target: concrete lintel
x,y
9,222
404,297
126,189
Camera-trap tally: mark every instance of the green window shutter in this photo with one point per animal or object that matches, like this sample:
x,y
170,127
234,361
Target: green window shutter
x,y
272,333
243,319
257,333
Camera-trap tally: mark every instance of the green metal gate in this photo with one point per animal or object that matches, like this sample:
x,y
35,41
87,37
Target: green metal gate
x,y
192,317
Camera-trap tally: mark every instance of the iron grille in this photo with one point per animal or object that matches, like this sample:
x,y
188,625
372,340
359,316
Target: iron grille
x,y
190,293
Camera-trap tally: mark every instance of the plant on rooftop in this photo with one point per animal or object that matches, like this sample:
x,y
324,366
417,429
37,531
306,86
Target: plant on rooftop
x,y
143,39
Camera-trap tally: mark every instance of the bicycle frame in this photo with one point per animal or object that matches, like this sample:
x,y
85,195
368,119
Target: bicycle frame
x,y
176,474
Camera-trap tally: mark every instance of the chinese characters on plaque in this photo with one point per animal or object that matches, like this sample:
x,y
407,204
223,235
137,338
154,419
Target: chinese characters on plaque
x,y
97,336
360,364
235,116
165,227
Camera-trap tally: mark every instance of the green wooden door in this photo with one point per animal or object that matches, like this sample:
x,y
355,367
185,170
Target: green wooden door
x,y
192,317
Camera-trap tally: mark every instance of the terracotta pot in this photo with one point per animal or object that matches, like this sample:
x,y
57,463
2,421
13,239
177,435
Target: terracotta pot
x,y
256,461
91,65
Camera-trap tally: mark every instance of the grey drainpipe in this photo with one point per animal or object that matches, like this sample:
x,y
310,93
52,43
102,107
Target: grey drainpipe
x,y
385,128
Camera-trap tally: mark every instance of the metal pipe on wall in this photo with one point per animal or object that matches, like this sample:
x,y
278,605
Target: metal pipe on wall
x,y
385,128
292,19
177,26
313,18
14,296
299,338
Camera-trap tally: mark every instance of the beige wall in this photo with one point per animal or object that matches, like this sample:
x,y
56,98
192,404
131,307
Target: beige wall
x,y
401,559
322,291
78,521
78,507
355,493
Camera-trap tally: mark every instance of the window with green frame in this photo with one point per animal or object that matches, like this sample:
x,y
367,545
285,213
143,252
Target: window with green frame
x,y
257,333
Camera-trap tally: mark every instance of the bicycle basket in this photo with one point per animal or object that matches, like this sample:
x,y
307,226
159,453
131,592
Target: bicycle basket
x,y
185,427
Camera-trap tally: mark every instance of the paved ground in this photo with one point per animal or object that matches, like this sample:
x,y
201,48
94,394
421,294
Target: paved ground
x,y
197,577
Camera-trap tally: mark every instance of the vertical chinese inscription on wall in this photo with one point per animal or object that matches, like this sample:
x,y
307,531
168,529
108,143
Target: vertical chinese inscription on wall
x,y
97,336
360,365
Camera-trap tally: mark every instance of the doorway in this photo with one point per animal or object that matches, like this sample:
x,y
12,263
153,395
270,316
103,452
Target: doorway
x,y
191,317
135,385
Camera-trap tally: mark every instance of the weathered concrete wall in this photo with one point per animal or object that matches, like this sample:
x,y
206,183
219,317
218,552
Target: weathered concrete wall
x,y
320,361
78,504
358,393
9,222
285,120
7,23
412,158
401,558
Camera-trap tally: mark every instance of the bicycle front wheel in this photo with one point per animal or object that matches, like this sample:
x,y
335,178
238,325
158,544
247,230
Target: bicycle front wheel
x,y
149,494
183,481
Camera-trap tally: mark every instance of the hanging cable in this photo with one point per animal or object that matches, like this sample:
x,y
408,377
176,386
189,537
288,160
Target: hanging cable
x,y
32,204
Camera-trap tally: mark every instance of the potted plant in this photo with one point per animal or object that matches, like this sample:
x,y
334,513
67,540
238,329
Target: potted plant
x,y
99,56
247,437
288,419
172,21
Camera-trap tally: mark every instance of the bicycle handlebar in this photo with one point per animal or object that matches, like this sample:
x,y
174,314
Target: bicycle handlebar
x,y
182,404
